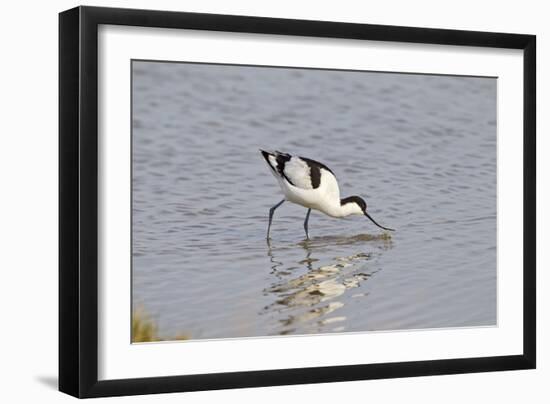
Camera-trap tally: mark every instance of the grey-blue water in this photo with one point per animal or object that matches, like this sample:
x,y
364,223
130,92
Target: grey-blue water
x,y
421,149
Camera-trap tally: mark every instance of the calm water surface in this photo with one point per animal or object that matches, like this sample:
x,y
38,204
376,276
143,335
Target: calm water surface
x,y
420,149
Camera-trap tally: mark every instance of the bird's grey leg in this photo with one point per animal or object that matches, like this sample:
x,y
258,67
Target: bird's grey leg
x,y
271,211
305,223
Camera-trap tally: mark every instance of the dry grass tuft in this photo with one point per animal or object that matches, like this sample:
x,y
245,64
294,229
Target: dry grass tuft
x,y
144,329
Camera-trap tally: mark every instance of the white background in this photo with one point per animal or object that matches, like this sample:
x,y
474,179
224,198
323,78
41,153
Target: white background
x,y
28,203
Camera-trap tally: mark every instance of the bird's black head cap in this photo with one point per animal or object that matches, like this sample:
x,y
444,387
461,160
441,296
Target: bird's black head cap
x,y
355,199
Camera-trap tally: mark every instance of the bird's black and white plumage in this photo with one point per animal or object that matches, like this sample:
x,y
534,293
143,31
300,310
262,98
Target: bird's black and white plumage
x,y
313,185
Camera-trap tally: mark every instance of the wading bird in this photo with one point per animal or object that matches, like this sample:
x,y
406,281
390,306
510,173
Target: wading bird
x,y
312,185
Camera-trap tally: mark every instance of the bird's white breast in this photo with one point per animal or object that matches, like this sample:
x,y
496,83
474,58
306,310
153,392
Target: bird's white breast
x,y
325,198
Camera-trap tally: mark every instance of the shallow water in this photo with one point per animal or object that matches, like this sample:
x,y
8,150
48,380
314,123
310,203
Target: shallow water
x,y
420,149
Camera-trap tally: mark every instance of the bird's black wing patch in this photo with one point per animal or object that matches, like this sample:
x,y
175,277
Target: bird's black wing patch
x,y
315,171
282,159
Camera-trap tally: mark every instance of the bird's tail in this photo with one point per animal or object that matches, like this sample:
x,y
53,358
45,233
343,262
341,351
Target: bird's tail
x,y
275,160
266,155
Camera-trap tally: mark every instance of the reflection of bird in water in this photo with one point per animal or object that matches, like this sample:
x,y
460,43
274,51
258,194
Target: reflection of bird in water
x,y
319,284
309,298
313,185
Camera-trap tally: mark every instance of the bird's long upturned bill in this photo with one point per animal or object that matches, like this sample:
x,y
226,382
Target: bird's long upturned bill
x,y
374,221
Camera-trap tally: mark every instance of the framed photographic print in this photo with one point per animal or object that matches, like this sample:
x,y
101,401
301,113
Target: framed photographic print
x,y
250,201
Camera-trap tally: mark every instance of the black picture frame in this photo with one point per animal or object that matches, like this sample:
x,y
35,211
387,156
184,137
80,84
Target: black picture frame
x,y
78,201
